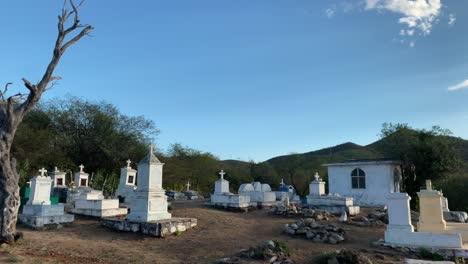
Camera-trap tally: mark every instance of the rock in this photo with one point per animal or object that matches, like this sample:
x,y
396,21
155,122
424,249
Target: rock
x,y
333,260
301,230
290,231
293,226
268,244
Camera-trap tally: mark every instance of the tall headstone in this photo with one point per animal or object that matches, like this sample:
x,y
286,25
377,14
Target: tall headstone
x,y
127,183
40,189
431,217
58,179
221,185
149,202
38,212
188,186
317,187
81,178
399,215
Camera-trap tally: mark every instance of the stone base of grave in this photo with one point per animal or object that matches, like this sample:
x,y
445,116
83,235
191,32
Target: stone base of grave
x,y
159,228
98,208
333,204
45,216
113,212
231,201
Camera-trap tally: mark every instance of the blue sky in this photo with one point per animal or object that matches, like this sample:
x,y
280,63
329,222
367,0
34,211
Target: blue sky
x,y
253,79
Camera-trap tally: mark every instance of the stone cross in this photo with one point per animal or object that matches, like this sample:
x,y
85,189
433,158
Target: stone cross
x,y
56,169
428,185
81,168
222,173
282,182
43,172
151,147
188,185
128,163
317,176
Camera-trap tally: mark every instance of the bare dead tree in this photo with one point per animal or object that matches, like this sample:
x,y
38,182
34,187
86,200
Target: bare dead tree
x,y
14,108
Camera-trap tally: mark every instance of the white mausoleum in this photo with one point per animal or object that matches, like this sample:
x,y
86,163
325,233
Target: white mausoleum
x,y
369,182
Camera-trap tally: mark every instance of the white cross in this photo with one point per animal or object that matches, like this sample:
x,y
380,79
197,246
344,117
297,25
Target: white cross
x,y
282,182
188,186
428,185
222,173
43,172
128,163
56,169
151,147
81,168
317,177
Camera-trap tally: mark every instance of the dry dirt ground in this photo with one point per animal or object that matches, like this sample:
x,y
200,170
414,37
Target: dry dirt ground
x,y
218,234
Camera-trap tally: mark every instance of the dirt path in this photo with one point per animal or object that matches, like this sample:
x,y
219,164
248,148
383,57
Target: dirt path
x,y
219,234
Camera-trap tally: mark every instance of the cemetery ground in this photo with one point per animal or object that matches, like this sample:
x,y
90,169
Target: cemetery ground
x,y
218,234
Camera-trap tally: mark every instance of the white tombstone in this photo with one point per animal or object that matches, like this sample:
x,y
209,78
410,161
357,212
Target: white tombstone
x,y
400,231
317,187
38,212
260,194
81,178
221,185
58,179
149,202
222,196
40,189
399,215
128,177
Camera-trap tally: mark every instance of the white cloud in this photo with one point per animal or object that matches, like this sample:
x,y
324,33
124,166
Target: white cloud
x,y
330,12
411,44
459,86
452,19
415,14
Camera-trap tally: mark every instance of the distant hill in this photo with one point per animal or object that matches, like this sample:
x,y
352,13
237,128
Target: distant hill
x,y
312,161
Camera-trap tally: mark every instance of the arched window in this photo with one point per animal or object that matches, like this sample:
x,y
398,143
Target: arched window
x,y
358,179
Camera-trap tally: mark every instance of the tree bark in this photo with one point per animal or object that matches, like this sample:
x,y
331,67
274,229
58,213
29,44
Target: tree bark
x,y
12,112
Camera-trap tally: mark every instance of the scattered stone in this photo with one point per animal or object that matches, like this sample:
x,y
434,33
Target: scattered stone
x,y
330,233
344,257
270,251
294,210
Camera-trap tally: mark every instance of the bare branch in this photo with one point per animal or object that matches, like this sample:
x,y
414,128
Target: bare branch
x,y
29,85
5,90
84,32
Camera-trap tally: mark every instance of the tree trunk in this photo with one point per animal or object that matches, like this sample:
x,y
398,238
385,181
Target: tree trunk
x,y
9,195
12,112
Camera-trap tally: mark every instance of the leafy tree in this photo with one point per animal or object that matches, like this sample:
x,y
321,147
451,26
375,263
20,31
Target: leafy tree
x,y
424,154
75,131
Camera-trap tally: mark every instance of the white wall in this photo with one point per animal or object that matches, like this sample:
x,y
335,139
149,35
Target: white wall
x,y
379,183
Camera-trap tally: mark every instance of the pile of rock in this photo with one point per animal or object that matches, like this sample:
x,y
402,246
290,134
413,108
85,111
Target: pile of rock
x,y
344,256
364,221
310,229
297,211
270,251
379,214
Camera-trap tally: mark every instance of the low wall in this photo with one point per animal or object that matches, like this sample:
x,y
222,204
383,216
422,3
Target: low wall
x,y
327,200
423,239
